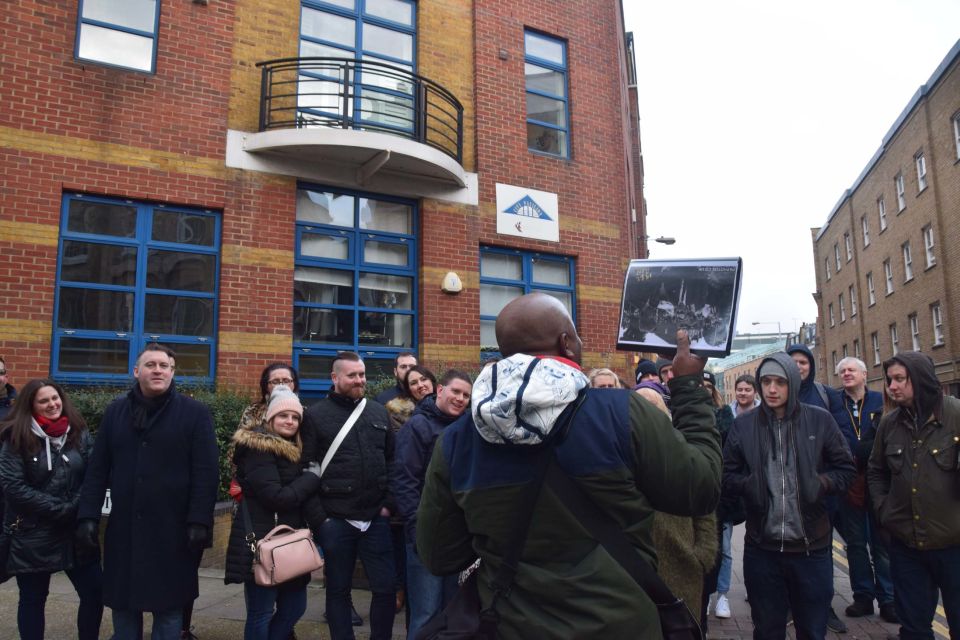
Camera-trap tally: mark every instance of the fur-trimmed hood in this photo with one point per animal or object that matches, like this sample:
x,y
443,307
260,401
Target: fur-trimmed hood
x,y
260,440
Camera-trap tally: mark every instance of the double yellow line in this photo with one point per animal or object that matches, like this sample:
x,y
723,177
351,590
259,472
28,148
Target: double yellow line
x,y
840,557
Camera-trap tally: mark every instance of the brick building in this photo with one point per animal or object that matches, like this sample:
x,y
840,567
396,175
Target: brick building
x,y
263,180
888,258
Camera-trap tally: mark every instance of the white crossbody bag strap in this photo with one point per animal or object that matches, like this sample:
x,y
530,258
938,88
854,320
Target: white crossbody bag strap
x,y
344,430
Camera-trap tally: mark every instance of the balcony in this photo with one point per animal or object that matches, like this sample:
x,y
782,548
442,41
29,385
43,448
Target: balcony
x,y
364,120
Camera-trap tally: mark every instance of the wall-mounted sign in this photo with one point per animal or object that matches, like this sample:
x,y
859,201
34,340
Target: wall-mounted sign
x,y
528,213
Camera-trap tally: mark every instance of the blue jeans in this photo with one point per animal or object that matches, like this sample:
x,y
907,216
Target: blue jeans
x,y
726,559
427,594
128,624
917,577
34,587
869,572
342,543
272,612
781,582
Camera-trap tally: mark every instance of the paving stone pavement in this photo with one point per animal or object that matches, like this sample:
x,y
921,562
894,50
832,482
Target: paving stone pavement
x,y
219,611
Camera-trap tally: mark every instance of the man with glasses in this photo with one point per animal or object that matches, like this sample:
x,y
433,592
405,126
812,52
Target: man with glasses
x,y
157,453
7,392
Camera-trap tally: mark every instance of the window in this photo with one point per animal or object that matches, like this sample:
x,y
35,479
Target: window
x,y
894,340
907,262
381,31
830,314
354,281
875,341
826,267
937,323
836,255
119,33
871,291
856,348
506,274
131,273
848,246
928,246
882,213
901,198
914,332
921,172
833,358
853,301
843,310
865,225
545,71
956,133
845,353
888,275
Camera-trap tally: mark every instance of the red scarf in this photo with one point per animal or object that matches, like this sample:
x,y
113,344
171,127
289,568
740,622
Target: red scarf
x,y
53,428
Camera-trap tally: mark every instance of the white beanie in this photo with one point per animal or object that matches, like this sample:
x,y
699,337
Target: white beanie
x,y
283,399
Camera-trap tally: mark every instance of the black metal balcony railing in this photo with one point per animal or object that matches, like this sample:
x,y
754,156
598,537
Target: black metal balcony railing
x,y
360,94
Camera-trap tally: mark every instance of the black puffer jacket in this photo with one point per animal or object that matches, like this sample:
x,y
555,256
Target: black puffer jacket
x,y
41,506
354,486
275,491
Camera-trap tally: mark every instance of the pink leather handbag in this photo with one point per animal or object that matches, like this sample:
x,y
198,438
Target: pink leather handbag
x,y
283,554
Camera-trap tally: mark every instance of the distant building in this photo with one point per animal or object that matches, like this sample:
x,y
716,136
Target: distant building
x,y
888,258
728,369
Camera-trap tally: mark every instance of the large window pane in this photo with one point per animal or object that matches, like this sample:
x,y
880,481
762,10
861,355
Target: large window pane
x,y
384,291
115,47
551,272
546,140
385,329
379,215
388,42
390,253
565,298
324,208
315,366
334,326
178,315
322,286
95,310
184,228
546,110
101,218
387,78
394,10
544,48
501,265
494,297
192,359
323,95
181,270
90,356
133,14
98,263
309,49
545,80
488,335
386,108
327,26
377,368
315,245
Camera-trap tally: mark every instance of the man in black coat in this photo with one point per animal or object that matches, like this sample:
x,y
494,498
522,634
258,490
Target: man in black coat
x,y
7,393
157,453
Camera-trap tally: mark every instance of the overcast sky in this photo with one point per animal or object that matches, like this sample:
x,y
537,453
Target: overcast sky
x,y
755,116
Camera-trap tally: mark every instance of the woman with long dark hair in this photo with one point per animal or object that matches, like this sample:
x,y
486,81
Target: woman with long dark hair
x,y
418,382
43,458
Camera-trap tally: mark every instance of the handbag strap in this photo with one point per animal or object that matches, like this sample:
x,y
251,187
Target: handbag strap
x,y
608,533
342,434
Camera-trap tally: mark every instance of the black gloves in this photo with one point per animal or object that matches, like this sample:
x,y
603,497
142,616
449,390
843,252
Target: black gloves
x,y
196,537
66,513
87,535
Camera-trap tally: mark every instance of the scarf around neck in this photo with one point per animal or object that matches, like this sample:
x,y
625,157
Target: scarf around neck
x,y
53,428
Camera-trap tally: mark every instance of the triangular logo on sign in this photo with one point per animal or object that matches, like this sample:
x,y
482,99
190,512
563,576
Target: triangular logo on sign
x,y
528,208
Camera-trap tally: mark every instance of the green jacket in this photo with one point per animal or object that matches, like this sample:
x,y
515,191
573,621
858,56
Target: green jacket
x,y
624,453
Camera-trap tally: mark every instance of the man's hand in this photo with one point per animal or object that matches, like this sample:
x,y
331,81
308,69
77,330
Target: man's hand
x,y
86,535
686,363
196,537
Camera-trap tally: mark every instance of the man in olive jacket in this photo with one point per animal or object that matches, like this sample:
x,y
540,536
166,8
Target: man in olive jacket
x,y
915,487
621,450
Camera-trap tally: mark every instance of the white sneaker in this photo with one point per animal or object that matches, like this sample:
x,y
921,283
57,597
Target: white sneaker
x,y
722,610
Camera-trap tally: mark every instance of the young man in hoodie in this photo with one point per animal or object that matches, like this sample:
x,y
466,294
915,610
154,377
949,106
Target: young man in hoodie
x,y
782,459
428,593
625,454
914,484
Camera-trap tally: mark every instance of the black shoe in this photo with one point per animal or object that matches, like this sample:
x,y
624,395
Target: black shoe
x,y
860,607
889,613
834,623
355,618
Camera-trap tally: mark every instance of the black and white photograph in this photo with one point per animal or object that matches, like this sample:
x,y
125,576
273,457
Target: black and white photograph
x,y
662,296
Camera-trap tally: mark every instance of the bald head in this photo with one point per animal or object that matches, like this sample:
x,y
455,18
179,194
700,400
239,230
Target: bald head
x,y
537,324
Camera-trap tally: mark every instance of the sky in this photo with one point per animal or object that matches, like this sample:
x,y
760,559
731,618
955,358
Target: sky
x,y
757,115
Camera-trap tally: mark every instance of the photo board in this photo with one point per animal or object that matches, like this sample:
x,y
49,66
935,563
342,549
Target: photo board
x,y
662,296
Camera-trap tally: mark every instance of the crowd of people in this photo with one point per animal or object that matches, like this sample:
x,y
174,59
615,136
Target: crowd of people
x,y
437,477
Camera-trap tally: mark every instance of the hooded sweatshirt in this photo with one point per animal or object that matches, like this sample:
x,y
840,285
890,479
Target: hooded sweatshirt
x,y
810,390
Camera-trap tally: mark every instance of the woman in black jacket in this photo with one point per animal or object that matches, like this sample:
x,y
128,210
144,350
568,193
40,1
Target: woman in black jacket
x,y
276,490
42,463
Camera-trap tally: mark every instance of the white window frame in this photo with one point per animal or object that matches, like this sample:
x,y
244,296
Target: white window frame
x,y
956,133
853,301
865,225
826,267
833,358
907,261
830,315
856,348
936,315
928,246
921,163
875,341
914,331
871,290
894,339
882,213
888,275
901,192
836,255
848,245
843,309
845,352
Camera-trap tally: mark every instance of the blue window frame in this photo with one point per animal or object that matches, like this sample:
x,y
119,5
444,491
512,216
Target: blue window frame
x,y
130,273
506,274
119,33
354,283
548,112
371,30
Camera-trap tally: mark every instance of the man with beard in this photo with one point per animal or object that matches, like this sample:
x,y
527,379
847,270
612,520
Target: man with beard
x,y
354,496
915,488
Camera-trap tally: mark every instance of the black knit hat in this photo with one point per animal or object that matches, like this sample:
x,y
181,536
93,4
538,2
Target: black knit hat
x,y
645,367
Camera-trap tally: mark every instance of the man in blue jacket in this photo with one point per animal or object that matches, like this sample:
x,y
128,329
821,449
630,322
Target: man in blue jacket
x,y
782,459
